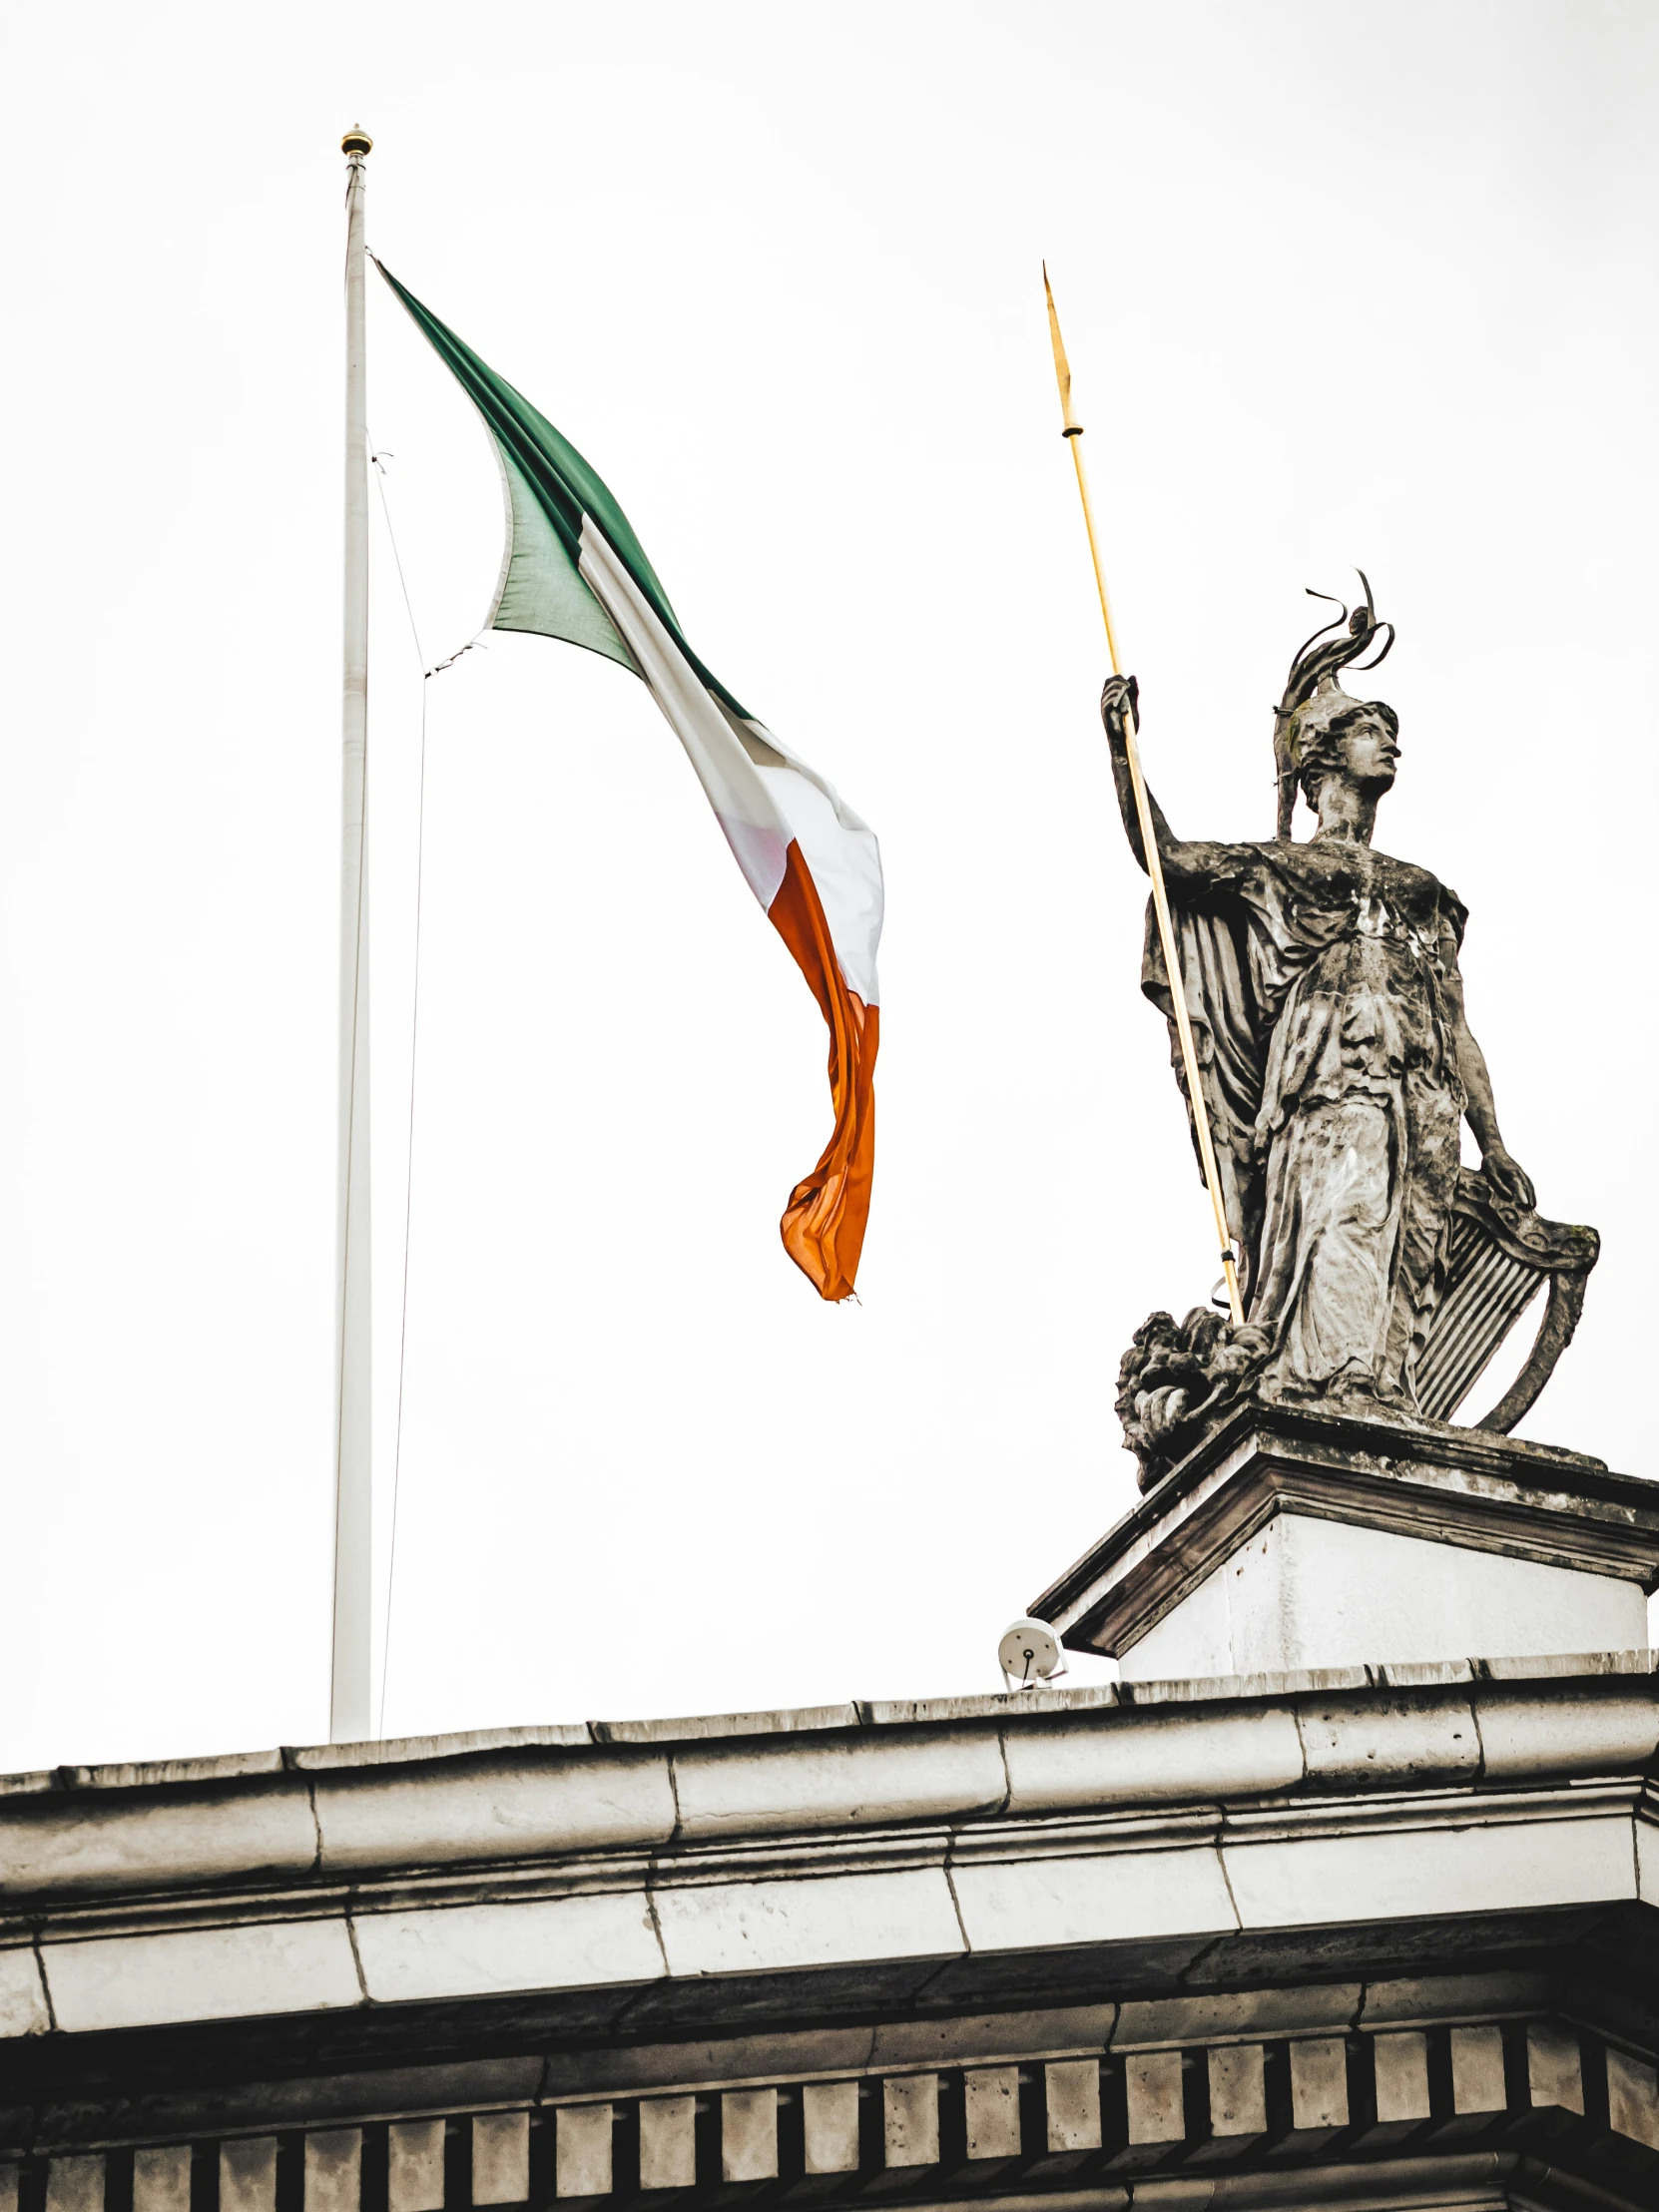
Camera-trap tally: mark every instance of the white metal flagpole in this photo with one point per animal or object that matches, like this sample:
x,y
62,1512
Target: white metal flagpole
x,y
348,1690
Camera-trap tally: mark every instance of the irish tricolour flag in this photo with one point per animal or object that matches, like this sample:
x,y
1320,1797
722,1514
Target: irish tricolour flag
x,y
574,569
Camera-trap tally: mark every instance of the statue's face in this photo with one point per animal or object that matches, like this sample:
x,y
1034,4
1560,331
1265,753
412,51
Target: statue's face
x,y
1369,752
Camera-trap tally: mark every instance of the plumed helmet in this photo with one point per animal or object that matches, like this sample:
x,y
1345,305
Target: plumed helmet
x,y
1313,700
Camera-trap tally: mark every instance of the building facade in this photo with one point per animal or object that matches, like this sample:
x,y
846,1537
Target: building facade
x,y
1378,1932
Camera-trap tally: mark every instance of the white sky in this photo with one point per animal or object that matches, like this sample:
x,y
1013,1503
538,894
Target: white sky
x,y
1341,285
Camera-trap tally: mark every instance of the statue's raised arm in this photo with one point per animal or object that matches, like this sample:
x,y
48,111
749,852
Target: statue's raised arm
x,y
1195,866
1324,981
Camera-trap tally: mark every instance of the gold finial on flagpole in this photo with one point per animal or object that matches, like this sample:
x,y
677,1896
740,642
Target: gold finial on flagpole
x,y
1072,432
356,143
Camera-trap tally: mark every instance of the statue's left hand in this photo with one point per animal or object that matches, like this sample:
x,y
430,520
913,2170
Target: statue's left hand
x,y
1120,702
1508,1177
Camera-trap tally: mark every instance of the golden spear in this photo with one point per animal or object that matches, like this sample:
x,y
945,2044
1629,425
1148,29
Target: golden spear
x,y
1072,432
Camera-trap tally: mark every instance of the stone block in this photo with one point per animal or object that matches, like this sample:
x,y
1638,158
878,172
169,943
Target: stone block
x,y
1318,2084
1633,2098
74,2184
501,2158
1554,2070
248,2174
668,2143
761,1926
1477,2071
414,2166
89,1843
570,1942
205,1974
1060,2032
1152,2087
8,2186
1441,1999
1367,1742
1604,1725
1117,1897
334,2170
1133,1758
464,1810
910,2120
1429,1872
1072,2096
582,2151
1401,2062
704,1728
990,2095
161,2178
862,1779
23,2007
829,2126
749,2135
1227,2015
1238,2091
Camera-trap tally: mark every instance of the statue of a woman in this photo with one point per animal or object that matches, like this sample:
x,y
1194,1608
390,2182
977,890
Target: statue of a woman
x,y
1338,1064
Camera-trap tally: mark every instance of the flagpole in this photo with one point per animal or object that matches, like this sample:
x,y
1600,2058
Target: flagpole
x,y
1073,435
348,1684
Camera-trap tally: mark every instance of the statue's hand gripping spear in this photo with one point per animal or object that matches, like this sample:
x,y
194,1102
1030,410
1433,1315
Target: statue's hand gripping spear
x,y
1072,432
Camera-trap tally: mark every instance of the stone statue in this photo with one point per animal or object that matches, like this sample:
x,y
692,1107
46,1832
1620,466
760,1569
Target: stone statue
x,y
1323,984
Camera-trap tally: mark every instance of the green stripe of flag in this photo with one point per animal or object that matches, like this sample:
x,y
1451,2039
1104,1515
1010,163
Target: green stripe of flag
x,y
551,490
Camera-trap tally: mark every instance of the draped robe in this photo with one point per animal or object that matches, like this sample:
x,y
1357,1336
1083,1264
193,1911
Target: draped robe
x,y
1317,978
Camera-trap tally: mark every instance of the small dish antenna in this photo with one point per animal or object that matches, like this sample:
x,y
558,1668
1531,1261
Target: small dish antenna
x,y
1028,1654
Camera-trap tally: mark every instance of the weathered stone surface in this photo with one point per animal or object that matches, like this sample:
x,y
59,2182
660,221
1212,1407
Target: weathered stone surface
x,y
866,1778
711,1727
1478,2070
1015,1905
1307,1592
1148,1758
910,2120
23,2007
1152,2084
1415,2000
334,2169
1319,2083
990,2096
1395,1544
161,2179
1238,2091
964,2036
212,1973
829,2126
1402,2063
668,2143
1608,1725
1436,1871
1071,2088
248,2174
539,1943
105,1838
1243,2016
494,1809
1390,1741
771,1925
414,2166
501,2158
582,2151
749,2135
1554,2069
1633,2098
74,2184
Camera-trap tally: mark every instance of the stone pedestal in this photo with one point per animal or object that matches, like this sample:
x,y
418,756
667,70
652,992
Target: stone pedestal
x,y
1299,1540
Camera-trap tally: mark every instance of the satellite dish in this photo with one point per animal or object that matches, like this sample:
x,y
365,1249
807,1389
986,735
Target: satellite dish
x,y
1030,1653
